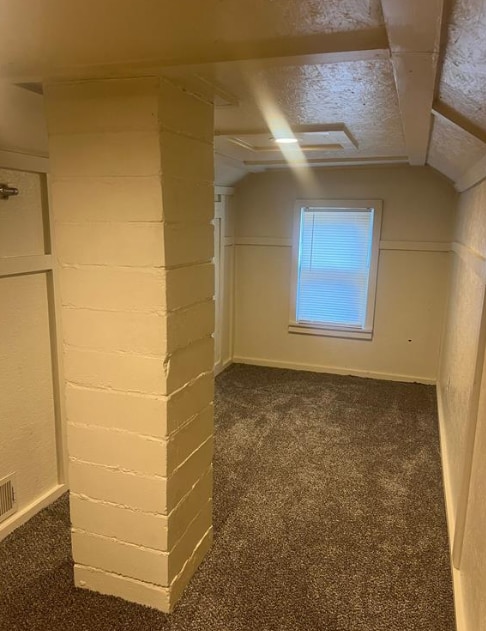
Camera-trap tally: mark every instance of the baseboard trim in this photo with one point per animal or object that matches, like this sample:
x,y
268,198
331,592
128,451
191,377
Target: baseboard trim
x,y
271,363
23,515
461,624
219,369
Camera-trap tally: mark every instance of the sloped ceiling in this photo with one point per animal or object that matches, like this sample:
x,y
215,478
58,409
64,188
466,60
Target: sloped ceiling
x,y
354,81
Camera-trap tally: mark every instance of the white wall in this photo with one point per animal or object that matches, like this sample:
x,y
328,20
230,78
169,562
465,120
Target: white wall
x,y
419,208
22,121
27,412
464,449
225,275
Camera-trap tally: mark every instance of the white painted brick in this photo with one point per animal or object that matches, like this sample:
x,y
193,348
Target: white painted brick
x,y
184,548
144,414
127,244
125,450
186,402
187,363
189,437
182,579
189,507
127,559
127,588
186,157
147,493
106,199
184,478
185,201
121,371
186,285
111,105
185,114
143,333
124,289
186,244
188,325
125,524
125,153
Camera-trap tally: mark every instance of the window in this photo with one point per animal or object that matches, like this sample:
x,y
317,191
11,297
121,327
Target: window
x,y
335,264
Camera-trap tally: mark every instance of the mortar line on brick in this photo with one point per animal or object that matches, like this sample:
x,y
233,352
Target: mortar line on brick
x,y
134,222
121,353
81,178
193,554
122,542
142,395
110,389
156,270
76,307
209,503
158,396
157,312
68,178
116,574
191,490
119,469
124,268
173,434
111,132
88,498
198,448
119,430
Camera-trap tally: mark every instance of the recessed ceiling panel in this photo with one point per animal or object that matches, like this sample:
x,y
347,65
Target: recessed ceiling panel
x,y
360,95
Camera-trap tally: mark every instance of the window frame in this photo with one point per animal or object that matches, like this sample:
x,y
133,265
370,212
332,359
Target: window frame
x,y
315,328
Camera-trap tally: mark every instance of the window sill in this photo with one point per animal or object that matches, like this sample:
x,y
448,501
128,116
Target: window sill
x,y
314,329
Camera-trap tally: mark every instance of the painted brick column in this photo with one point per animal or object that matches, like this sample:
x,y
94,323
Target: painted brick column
x,y
132,201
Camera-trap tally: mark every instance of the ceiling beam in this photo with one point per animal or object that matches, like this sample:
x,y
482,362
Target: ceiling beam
x,y
346,46
256,165
448,114
414,29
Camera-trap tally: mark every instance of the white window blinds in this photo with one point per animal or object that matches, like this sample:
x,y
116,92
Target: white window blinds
x,y
335,250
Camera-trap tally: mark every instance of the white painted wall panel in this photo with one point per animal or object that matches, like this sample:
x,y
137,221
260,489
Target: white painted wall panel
x,y
27,427
419,206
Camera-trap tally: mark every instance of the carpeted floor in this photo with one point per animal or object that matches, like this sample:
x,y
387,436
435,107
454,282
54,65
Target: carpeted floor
x,y
328,516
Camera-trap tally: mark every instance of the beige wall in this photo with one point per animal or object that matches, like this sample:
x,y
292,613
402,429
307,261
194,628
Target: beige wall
x,y
27,421
22,125
419,206
457,392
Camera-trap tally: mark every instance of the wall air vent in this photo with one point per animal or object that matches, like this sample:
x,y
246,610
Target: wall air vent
x,y
8,501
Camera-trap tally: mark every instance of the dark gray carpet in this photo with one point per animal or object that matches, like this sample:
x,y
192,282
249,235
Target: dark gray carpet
x,y
328,516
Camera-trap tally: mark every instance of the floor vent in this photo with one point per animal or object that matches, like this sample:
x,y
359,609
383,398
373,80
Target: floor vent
x,y
8,501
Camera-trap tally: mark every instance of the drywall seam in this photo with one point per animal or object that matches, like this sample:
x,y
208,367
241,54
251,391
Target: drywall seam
x,y
355,372
461,624
31,509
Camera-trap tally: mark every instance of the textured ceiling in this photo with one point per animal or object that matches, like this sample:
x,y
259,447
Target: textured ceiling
x,y
46,36
361,95
451,150
365,67
463,81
